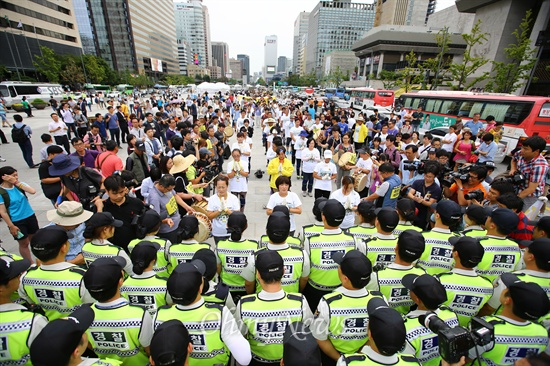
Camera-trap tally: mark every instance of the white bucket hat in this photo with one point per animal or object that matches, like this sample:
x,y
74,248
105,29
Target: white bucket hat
x,y
69,213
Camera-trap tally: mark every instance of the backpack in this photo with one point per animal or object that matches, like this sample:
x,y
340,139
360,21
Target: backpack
x,y
6,197
18,134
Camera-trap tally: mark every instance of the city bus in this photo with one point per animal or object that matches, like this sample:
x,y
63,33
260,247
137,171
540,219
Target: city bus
x,y
523,116
362,98
335,92
13,91
103,89
125,89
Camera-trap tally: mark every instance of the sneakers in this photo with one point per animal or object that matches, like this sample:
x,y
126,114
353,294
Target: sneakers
x,y
304,193
309,194
2,159
299,176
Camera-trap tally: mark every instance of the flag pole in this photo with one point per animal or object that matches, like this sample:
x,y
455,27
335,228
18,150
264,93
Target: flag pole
x,y
26,40
16,48
37,40
12,55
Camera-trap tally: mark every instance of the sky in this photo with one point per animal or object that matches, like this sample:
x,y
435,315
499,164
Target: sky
x,y
243,24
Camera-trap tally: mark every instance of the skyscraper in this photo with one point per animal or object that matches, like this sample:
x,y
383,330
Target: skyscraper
x,y
236,66
193,31
220,56
282,64
327,32
270,57
404,12
246,65
300,29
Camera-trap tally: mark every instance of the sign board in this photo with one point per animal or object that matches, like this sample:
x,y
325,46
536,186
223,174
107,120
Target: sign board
x,y
434,121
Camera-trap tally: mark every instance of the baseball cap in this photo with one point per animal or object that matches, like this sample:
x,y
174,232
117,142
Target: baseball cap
x,y
530,300
428,289
366,209
334,212
327,154
388,218
204,150
67,333
10,269
150,220
470,251
478,214
386,326
318,207
269,262
542,224
282,208
144,252
411,242
208,257
185,280
50,237
169,343
139,145
299,346
361,151
540,248
432,150
278,226
406,205
104,273
505,219
102,219
448,209
354,265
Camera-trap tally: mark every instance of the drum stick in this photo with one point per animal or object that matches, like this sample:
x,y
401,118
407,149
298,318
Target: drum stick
x,y
211,180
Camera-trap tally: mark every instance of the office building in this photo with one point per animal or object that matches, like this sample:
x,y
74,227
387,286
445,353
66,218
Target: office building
x,y
270,57
27,25
300,29
301,64
328,32
404,12
342,61
237,68
282,64
220,57
246,65
193,32
215,72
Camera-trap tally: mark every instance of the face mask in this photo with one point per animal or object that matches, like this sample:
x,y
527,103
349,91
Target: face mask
x,y
432,218
464,224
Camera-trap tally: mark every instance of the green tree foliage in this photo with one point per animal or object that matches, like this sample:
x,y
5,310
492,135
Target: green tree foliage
x,y
520,60
4,73
389,79
72,73
460,72
410,74
95,70
176,79
261,81
336,77
49,64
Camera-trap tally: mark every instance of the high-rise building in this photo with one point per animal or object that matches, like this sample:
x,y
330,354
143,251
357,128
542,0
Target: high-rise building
x,y
220,54
327,32
237,68
27,25
246,65
270,57
300,29
404,12
193,30
128,40
282,64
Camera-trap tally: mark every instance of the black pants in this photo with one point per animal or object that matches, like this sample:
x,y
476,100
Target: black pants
x,y
115,135
71,127
124,131
63,141
313,296
326,360
3,137
321,193
259,363
26,149
82,131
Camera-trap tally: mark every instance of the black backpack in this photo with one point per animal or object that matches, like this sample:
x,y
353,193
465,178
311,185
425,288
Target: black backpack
x,y
18,134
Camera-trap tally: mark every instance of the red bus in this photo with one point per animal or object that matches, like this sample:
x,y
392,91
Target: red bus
x,y
362,98
523,116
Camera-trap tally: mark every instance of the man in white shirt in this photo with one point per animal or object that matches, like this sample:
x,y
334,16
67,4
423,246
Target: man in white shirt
x,y
58,129
449,139
137,130
364,166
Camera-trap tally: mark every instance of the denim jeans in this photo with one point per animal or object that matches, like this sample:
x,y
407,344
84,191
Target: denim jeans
x,y
307,182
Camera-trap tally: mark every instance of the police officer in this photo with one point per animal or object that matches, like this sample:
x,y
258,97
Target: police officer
x,y
323,278
187,247
212,343
120,331
264,317
144,288
407,212
387,280
148,226
23,325
501,254
542,228
381,245
171,344
387,193
317,227
517,334
296,261
299,346
291,240
55,285
467,291
386,337
62,342
233,253
428,294
367,217
438,255
213,291
341,317
474,219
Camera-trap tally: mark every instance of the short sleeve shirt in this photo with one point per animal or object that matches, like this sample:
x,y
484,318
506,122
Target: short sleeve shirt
x,y
20,207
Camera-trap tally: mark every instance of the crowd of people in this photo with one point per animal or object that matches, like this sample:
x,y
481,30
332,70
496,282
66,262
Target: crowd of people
x,y
407,226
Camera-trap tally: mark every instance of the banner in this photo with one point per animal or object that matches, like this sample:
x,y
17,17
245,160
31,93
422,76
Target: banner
x,y
434,120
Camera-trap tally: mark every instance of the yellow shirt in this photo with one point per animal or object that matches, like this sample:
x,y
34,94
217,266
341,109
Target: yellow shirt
x,y
273,170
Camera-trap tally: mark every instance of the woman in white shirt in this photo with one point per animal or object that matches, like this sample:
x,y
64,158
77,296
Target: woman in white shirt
x,y
299,145
220,206
310,158
237,171
324,173
286,198
243,146
349,199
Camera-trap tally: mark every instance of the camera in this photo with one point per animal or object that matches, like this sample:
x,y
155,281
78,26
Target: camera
x,y
517,178
91,193
412,165
456,342
461,174
475,195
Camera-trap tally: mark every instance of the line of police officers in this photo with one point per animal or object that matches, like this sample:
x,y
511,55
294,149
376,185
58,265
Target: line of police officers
x,y
367,288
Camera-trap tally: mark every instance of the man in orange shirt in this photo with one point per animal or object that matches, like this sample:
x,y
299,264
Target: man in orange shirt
x,y
458,190
108,162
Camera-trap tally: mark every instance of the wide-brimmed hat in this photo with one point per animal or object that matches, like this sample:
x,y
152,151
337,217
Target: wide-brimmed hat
x,y
63,164
181,163
270,120
69,213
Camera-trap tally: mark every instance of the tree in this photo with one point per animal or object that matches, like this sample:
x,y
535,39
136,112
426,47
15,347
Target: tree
x,y
95,71
4,73
409,74
336,76
460,72
48,64
261,81
72,74
510,75
206,78
389,79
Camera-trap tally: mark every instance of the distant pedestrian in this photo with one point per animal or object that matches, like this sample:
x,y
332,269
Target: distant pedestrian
x,y
27,107
21,133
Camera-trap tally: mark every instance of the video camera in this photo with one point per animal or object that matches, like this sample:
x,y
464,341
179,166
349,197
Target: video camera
x,y
477,195
91,193
516,179
415,165
461,173
456,342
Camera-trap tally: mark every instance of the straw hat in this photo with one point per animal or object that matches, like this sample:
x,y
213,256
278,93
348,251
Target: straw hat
x,y
181,163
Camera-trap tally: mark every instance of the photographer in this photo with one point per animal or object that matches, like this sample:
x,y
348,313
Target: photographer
x,y
408,169
459,191
425,192
533,166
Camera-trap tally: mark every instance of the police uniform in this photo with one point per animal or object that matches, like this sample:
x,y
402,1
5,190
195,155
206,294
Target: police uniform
x,y
218,293
58,288
405,225
362,231
296,261
369,357
92,250
161,266
388,281
263,319
381,248
474,231
291,240
15,298
232,256
312,229
438,255
183,252
146,290
501,255
467,292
